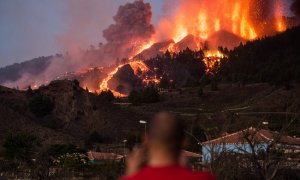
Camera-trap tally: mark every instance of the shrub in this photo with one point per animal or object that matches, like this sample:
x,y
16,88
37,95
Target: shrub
x,y
71,160
147,95
29,91
40,105
107,96
164,83
20,146
57,150
135,97
200,92
150,95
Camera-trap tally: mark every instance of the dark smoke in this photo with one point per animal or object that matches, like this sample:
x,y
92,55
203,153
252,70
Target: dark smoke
x,y
131,30
296,8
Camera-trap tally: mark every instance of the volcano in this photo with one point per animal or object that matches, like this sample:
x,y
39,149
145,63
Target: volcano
x,y
224,39
221,38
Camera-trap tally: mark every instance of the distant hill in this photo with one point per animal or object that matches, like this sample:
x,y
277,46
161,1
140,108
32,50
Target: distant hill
x,y
32,67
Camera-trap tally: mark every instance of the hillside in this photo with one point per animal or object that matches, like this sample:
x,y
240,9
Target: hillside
x,y
275,60
76,114
231,107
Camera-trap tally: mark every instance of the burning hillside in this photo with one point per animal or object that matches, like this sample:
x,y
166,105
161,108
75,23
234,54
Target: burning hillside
x,y
197,25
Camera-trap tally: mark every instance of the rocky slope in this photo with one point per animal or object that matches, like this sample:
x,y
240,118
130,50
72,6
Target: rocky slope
x,y
75,116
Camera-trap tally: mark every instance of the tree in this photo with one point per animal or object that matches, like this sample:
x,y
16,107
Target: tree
x,y
164,83
57,150
250,157
150,95
168,56
20,146
135,97
76,82
147,95
41,105
107,96
29,91
200,92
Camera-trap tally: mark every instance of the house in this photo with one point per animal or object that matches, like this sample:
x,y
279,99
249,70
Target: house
x,y
248,141
98,157
191,159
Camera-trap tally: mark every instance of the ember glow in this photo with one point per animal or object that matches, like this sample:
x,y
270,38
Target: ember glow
x,y
280,25
212,60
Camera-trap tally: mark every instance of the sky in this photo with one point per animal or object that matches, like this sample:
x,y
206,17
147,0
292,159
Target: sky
x,y
33,28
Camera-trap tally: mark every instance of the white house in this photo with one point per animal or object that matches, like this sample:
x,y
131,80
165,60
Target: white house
x,y
247,141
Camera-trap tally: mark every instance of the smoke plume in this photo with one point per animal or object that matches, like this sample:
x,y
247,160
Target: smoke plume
x,y
132,29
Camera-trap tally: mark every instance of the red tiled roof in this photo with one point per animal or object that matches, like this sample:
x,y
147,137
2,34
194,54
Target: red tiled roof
x,y
103,156
190,154
255,135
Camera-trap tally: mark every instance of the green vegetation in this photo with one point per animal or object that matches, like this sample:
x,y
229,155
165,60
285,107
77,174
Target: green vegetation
x,y
20,146
41,105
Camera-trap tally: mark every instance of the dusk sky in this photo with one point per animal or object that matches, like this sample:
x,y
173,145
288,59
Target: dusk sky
x,y
32,28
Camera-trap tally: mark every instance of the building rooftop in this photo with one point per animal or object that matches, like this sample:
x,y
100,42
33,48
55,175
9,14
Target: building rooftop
x,y
255,135
103,156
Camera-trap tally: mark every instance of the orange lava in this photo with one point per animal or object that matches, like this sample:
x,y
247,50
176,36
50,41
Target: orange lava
x,y
212,60
138,66
205,17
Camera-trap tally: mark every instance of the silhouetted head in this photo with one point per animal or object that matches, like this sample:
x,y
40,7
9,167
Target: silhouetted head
x,y
166,133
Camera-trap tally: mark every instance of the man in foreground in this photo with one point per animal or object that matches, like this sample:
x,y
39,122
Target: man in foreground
x,y
160,154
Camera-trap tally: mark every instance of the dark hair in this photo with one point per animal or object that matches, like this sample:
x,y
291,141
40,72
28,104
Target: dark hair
x,y
167,130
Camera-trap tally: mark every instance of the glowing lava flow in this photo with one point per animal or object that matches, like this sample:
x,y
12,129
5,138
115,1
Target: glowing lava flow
x,y
137,66
104,84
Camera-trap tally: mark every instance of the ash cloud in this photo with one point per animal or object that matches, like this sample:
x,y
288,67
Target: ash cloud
x,y
131,30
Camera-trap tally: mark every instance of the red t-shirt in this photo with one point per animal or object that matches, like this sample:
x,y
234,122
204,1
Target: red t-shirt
x,y
174,172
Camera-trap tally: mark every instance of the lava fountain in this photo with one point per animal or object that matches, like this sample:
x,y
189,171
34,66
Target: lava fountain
x,y
248,19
